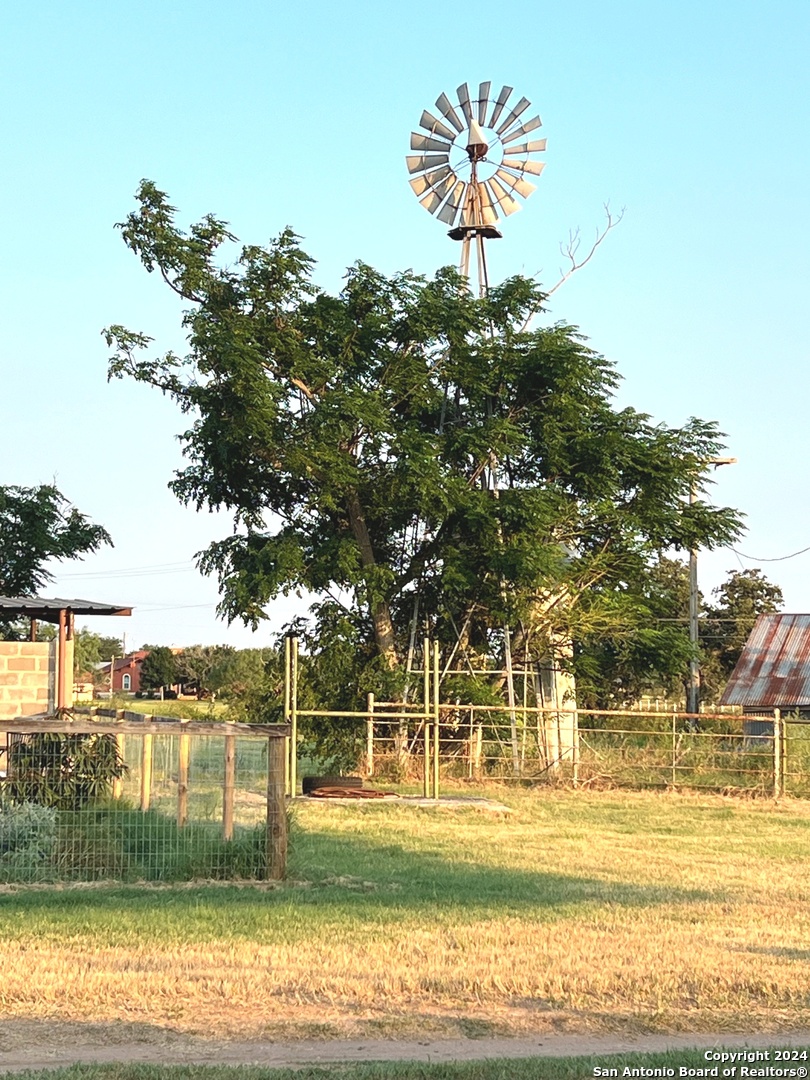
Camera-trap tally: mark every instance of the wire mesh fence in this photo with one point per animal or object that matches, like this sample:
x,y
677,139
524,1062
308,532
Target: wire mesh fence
x,y
137,800
589,748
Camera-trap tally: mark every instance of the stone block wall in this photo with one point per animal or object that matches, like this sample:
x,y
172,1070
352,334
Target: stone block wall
x,y
28,677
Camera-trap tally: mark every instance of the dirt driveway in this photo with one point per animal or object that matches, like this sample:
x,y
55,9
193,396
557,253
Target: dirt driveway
x,y
36,1045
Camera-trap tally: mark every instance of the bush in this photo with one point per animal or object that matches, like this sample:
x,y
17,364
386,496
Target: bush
x,y
27,838
62,771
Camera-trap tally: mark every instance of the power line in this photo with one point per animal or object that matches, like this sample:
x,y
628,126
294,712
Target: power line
x,y
153,570
780,558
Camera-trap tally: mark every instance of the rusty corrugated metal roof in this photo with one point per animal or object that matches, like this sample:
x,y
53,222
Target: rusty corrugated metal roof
x,y
774,668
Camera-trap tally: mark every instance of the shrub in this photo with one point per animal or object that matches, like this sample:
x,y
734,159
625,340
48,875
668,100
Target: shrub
x,y
27,838
62,771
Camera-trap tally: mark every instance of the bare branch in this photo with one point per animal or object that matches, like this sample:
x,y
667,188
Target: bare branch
x,y
570,251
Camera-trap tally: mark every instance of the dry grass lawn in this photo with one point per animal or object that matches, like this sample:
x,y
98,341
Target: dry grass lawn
x,y
579,911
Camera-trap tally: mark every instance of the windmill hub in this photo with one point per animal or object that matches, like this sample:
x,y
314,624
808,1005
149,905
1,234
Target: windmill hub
x,y
477,145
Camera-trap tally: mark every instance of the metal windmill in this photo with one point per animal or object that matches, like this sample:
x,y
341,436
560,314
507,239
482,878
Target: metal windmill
x,y
470,166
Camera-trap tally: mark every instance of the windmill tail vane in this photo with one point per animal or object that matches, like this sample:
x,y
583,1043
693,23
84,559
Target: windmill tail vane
x,y
469,169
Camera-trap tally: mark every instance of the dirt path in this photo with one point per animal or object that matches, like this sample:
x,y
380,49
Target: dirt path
x,y
185,1050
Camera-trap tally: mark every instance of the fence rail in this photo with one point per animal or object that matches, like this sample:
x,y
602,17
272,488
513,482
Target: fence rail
x,y
614,749
433,740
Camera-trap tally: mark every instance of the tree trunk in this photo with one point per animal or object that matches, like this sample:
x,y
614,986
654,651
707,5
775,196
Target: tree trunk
x,y
380,610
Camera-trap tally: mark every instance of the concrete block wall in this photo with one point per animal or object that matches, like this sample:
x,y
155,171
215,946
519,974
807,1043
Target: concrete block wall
x,y
28,677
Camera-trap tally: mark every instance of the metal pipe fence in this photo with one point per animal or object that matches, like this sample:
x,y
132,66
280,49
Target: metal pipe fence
x,y
590,748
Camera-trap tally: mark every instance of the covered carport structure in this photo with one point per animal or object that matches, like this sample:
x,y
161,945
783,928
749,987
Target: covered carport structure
x,y
60,612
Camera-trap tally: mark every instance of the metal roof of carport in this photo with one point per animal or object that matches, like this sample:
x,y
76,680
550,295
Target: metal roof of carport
x,y
774,667
47,609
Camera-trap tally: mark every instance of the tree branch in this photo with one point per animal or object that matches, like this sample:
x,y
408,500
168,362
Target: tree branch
x,y
570,251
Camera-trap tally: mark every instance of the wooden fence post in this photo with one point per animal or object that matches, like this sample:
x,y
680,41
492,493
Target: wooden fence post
x,y
777,753
183,754
146,771
784,754
276,839
118,783
228,787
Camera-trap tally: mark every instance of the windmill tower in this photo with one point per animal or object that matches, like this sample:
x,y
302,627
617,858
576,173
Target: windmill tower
x,y
469,170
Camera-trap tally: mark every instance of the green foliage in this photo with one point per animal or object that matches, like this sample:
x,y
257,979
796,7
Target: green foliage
x,y
727,623
27,838
36,525
90,649
407,438
647,647
210,669
237,672
109,840
62,771
159,668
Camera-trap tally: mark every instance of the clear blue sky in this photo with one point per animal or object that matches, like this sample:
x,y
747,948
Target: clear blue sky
x,y
693,116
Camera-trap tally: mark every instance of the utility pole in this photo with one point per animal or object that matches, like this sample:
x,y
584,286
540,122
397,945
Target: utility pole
x,y
693,686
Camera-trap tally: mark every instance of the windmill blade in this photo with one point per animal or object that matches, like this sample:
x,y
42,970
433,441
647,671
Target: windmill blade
x,y
445,186
515,183
426,142
483,101
426,161
524,129
464,102
503,97
434,125
488,212
432,179
502,197
445,107
534,167
449,212
431,202
521,107
536,147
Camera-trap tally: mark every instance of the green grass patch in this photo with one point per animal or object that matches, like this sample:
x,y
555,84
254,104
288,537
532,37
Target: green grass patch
x,y
599,911
538,1068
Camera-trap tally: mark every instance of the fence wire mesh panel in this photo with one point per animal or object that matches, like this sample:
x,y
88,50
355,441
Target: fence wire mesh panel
x,y
583,747
796,756
140,806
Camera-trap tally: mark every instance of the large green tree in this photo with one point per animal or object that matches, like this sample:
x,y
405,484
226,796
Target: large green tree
x,y
37,525
406,439
728,621
159,668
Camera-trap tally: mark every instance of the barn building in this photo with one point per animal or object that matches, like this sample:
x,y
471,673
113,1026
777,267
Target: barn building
x,y
773,672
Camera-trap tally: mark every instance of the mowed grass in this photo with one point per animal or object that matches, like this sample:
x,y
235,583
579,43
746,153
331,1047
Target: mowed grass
x,y
578,911
570,1068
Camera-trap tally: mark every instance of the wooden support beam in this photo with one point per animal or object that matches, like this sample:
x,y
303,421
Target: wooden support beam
x,y
146,772
276,849
183,754
228,786
61,662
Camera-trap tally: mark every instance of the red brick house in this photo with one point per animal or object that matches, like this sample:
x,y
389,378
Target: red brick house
x,y
127,672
